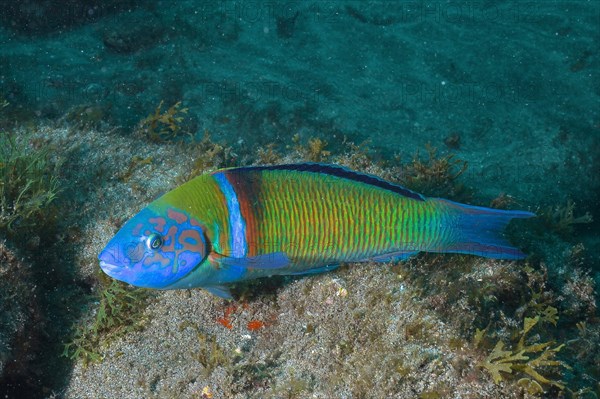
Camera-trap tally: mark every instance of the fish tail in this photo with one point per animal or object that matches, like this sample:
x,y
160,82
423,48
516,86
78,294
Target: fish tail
x,y
478,231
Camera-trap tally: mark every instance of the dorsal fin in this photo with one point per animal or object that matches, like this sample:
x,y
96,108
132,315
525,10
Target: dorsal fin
x,y
338,171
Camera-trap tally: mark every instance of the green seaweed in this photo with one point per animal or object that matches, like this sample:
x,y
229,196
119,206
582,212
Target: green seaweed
x,y
119,312
28,183
435,175
562,220
540,300
268,155
164,125
502,201
313,151
208,155
530,359
530,386
358,157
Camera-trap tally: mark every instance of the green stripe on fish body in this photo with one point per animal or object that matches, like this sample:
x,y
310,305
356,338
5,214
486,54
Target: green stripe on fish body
x,y
318,218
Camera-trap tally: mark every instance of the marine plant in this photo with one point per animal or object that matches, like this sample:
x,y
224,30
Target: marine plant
x,y
526,360
135,163
316,150
28,183
119,312
585,347
268,155
164,125
562,220
502,201
313,151
579,290
208,155
434,175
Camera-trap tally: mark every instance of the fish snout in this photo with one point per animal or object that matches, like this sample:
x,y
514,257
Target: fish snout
x,y
113,261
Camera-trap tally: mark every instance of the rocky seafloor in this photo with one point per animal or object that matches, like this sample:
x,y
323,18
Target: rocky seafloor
x,y
370,330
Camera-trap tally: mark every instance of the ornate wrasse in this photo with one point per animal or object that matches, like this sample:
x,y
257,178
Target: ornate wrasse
x,y
243,223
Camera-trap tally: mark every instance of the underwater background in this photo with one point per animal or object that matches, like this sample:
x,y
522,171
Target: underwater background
x,y
106,105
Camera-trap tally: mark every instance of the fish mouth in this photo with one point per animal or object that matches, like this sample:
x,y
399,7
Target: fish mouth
x,y
109,263
109,268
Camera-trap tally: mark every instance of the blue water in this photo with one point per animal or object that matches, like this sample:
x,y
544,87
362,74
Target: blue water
x,y
511,87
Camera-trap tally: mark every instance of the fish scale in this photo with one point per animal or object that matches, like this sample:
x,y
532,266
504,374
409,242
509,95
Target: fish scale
x,y
374,225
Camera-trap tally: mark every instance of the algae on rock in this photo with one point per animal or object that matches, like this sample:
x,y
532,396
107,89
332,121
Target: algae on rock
x,y
119,312
28,183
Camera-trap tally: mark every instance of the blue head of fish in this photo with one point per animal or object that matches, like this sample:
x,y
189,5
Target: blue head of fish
x,y
155,248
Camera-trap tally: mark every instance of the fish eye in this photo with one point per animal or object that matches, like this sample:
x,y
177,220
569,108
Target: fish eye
x,y
154,241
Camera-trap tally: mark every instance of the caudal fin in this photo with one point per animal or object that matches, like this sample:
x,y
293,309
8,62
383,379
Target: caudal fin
x,y
479,231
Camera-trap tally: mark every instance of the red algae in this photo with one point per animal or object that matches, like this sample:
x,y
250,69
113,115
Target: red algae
x,y
254,325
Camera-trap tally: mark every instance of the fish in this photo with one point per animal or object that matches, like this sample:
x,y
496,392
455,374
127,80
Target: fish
x,y
243,223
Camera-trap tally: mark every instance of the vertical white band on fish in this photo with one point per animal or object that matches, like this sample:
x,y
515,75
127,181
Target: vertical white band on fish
x,y
236,221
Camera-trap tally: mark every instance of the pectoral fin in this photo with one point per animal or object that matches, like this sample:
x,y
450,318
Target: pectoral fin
x,y
220,291
275,260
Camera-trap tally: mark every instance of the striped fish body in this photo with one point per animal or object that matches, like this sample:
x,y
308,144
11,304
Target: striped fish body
x,y
293,219
316,219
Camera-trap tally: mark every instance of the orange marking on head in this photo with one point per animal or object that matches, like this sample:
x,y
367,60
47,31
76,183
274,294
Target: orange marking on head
x,y
176,216
136,229
156,258
159,224
191,240
169,244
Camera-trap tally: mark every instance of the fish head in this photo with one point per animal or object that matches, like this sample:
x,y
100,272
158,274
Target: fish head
x,y
155,248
